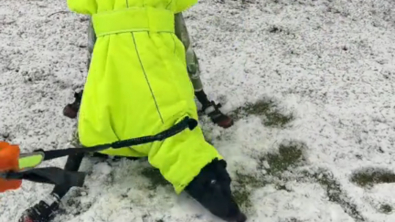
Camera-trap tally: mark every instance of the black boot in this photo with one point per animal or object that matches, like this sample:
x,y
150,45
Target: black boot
x,y
43,211
211,188
216,116
71,110
211,109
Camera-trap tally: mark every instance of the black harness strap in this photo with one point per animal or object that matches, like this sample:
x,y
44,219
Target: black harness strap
x,y
49,175
179,127
57,176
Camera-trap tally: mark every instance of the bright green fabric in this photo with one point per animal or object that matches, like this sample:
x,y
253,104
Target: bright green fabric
x,y
30,160
133,19
138,85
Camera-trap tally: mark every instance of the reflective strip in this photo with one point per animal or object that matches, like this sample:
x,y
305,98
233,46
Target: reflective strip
x,y
30,160
133,20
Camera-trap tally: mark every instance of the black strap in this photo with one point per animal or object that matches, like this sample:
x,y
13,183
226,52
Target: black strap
x,y
179,127
57,176
49,175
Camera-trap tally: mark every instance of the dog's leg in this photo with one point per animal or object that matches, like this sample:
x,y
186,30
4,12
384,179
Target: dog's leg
x,y
46,209
71,110
211,188
73,163
208,107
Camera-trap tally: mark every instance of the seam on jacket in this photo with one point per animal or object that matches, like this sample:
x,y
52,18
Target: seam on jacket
x,y
146,77
167,6
127,3
175,44
105,71
113,129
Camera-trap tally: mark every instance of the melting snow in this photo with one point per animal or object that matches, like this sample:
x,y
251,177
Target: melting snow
x,y
328,64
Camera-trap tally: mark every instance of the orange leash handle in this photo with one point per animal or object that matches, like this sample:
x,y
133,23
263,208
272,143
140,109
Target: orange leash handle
x,y
9,156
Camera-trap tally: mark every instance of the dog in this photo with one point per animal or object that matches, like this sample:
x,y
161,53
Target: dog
x,y
137,86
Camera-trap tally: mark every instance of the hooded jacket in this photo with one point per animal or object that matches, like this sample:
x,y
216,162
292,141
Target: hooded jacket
x,y
138,85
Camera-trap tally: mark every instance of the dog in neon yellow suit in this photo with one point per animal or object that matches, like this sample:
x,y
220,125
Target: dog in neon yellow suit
x,y
138,85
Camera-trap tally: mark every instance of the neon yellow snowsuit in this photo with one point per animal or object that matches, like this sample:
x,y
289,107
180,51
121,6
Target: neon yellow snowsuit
x,y
138,85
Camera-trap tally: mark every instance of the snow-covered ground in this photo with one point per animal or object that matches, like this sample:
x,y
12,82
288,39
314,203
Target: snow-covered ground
x,y
325,68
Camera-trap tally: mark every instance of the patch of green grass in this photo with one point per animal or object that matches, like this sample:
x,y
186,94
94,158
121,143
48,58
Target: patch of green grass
x,y
287,156
250,180
243,186
155,178
292,219
75,140
370,176
242,197
386,209
336,194
265,109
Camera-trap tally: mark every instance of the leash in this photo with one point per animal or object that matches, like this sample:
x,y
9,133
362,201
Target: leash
x,y
58,176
